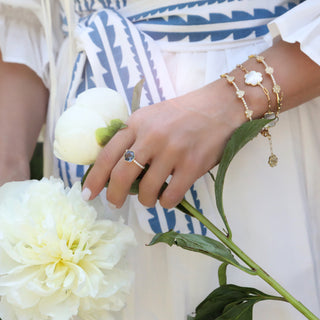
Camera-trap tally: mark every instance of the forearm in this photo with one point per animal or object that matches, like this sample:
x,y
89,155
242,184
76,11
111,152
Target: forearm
x,y
297,75
23,104
185,137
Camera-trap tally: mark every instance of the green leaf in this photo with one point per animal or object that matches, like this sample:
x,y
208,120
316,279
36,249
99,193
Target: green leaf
x,y
103,135
197,243
242,311
136,96
230,302
222,274
238,140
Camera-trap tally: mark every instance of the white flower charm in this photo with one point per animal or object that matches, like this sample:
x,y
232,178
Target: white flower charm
x,y
253,78
76,140
57,260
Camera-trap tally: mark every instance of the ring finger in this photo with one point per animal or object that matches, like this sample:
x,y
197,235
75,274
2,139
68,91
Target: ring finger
x,y
124,174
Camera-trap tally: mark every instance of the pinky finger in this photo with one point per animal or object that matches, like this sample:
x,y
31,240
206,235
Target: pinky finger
x,y
178,186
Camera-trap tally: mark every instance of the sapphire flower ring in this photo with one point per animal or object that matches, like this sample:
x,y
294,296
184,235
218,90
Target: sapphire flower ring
x,y
129,157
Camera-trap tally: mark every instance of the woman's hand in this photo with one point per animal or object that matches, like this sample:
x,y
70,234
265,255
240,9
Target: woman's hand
x,y
182,137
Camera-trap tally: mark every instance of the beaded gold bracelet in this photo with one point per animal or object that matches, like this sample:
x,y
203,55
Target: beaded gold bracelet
x,y
254,78
240,94
273,159
276,88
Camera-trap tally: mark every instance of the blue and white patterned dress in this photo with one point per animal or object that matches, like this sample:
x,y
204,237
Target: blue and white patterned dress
x,y
116,49
178,46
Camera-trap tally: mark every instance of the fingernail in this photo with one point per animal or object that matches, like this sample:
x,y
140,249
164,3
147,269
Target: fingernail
x,y
111,205
86,193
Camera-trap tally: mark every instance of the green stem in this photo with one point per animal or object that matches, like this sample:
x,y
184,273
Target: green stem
x,y
258,270
274,298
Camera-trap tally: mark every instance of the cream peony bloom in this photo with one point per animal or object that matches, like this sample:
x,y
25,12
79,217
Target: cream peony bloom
x,y
75,135
94,108
108,103
57,260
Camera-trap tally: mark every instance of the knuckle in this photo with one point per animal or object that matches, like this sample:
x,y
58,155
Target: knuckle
x,y
192,165
136,118
155,136
179,149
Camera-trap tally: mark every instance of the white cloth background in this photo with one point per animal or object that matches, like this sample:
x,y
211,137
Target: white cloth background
x,y
273,212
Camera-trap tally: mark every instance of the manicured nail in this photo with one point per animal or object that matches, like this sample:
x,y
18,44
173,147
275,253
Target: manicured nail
x,y
86,193
111,205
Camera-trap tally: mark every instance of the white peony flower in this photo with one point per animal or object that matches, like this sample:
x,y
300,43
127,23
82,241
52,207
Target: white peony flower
x,y
75,139
108,103
57,260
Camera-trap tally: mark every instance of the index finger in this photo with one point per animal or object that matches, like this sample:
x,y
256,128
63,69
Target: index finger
x,y
106,160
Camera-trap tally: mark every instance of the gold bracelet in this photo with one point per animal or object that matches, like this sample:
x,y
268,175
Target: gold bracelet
x,y
273,159
254,78
276,88
240,94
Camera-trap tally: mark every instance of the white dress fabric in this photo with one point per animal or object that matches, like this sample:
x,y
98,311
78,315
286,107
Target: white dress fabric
x,y
179,46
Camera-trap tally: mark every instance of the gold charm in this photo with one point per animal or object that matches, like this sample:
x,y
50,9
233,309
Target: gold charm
x,y
273,160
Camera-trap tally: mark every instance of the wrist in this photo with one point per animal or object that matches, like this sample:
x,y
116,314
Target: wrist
x,y
225,103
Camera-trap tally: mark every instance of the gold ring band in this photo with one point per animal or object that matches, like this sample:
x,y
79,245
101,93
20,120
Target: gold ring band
x,y
130,157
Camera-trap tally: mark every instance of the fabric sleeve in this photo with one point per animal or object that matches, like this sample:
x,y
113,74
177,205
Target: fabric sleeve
x,y
22,36
300,24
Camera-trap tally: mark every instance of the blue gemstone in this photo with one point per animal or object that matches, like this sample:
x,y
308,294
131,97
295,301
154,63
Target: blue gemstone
x,y
129,155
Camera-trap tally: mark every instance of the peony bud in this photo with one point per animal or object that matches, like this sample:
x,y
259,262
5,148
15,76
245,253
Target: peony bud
x,y
108,103
75,138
